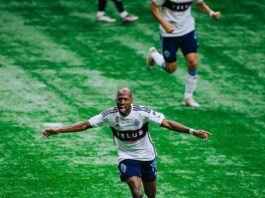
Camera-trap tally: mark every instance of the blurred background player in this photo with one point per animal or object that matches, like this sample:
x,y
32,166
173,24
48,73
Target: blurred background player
x,y
125,17
177,30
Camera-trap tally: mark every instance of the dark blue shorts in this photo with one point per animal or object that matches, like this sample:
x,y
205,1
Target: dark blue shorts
x,y
144,169
187,43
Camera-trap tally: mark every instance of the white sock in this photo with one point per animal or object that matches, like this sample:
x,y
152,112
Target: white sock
x,y
123,14
100,13
159,59
191,82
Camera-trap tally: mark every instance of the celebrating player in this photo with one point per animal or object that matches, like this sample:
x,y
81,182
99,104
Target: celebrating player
x,y
129,125
177,30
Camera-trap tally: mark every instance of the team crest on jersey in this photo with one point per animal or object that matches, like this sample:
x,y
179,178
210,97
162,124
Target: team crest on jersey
x,y
123,168
136,123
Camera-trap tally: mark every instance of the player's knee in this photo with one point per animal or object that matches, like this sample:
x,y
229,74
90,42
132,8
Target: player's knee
x,y
192,63
136,192
171,67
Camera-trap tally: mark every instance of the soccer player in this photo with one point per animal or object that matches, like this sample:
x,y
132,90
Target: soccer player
x,y
125,17
177,30
129,125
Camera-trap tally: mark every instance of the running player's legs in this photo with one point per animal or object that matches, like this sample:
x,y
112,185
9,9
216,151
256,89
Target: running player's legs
x,y
169,45
102,5
169,50
167,60
189,48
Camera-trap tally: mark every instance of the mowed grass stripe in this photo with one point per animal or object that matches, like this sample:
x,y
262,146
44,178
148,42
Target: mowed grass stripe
x,y
46,47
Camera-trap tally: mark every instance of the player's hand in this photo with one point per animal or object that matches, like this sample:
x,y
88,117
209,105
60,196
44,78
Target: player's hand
x,y
47,132
202,134
217,15
169,28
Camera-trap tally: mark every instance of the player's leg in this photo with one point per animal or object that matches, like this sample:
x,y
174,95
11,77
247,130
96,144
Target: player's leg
x,y
125,17
101,16
167,61
134,184
130,172
189,49
150,189
148,174
191,80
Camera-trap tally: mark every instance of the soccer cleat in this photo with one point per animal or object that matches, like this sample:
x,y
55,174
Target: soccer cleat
x,y
191,102
129,19
149,59
105,18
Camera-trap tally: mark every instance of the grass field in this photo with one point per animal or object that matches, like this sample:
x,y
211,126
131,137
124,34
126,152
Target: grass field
x,y
58,66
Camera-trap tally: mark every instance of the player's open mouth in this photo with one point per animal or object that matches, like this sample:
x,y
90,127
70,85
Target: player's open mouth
x,y
121,107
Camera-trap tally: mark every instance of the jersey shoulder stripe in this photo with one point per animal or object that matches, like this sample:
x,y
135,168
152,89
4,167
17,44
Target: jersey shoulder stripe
x,y
141,108
109,111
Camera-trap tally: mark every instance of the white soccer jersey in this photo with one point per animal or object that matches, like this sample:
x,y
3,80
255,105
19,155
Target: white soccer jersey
x,y
130,132
178,14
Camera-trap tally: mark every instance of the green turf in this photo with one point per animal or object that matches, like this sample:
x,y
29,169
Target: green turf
x,y
57,65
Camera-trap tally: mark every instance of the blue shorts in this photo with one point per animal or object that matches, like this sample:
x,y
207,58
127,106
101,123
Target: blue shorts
x,y
187,43
144,169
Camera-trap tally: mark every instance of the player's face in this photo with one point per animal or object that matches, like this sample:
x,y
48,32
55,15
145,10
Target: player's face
x,y
123,102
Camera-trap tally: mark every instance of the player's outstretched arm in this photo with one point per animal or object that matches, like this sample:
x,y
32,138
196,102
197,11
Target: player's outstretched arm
x,y
174,126
80,126
157,14
204,8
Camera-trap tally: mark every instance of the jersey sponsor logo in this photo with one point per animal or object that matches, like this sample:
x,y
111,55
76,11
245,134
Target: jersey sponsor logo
x,y
178,7
130,135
